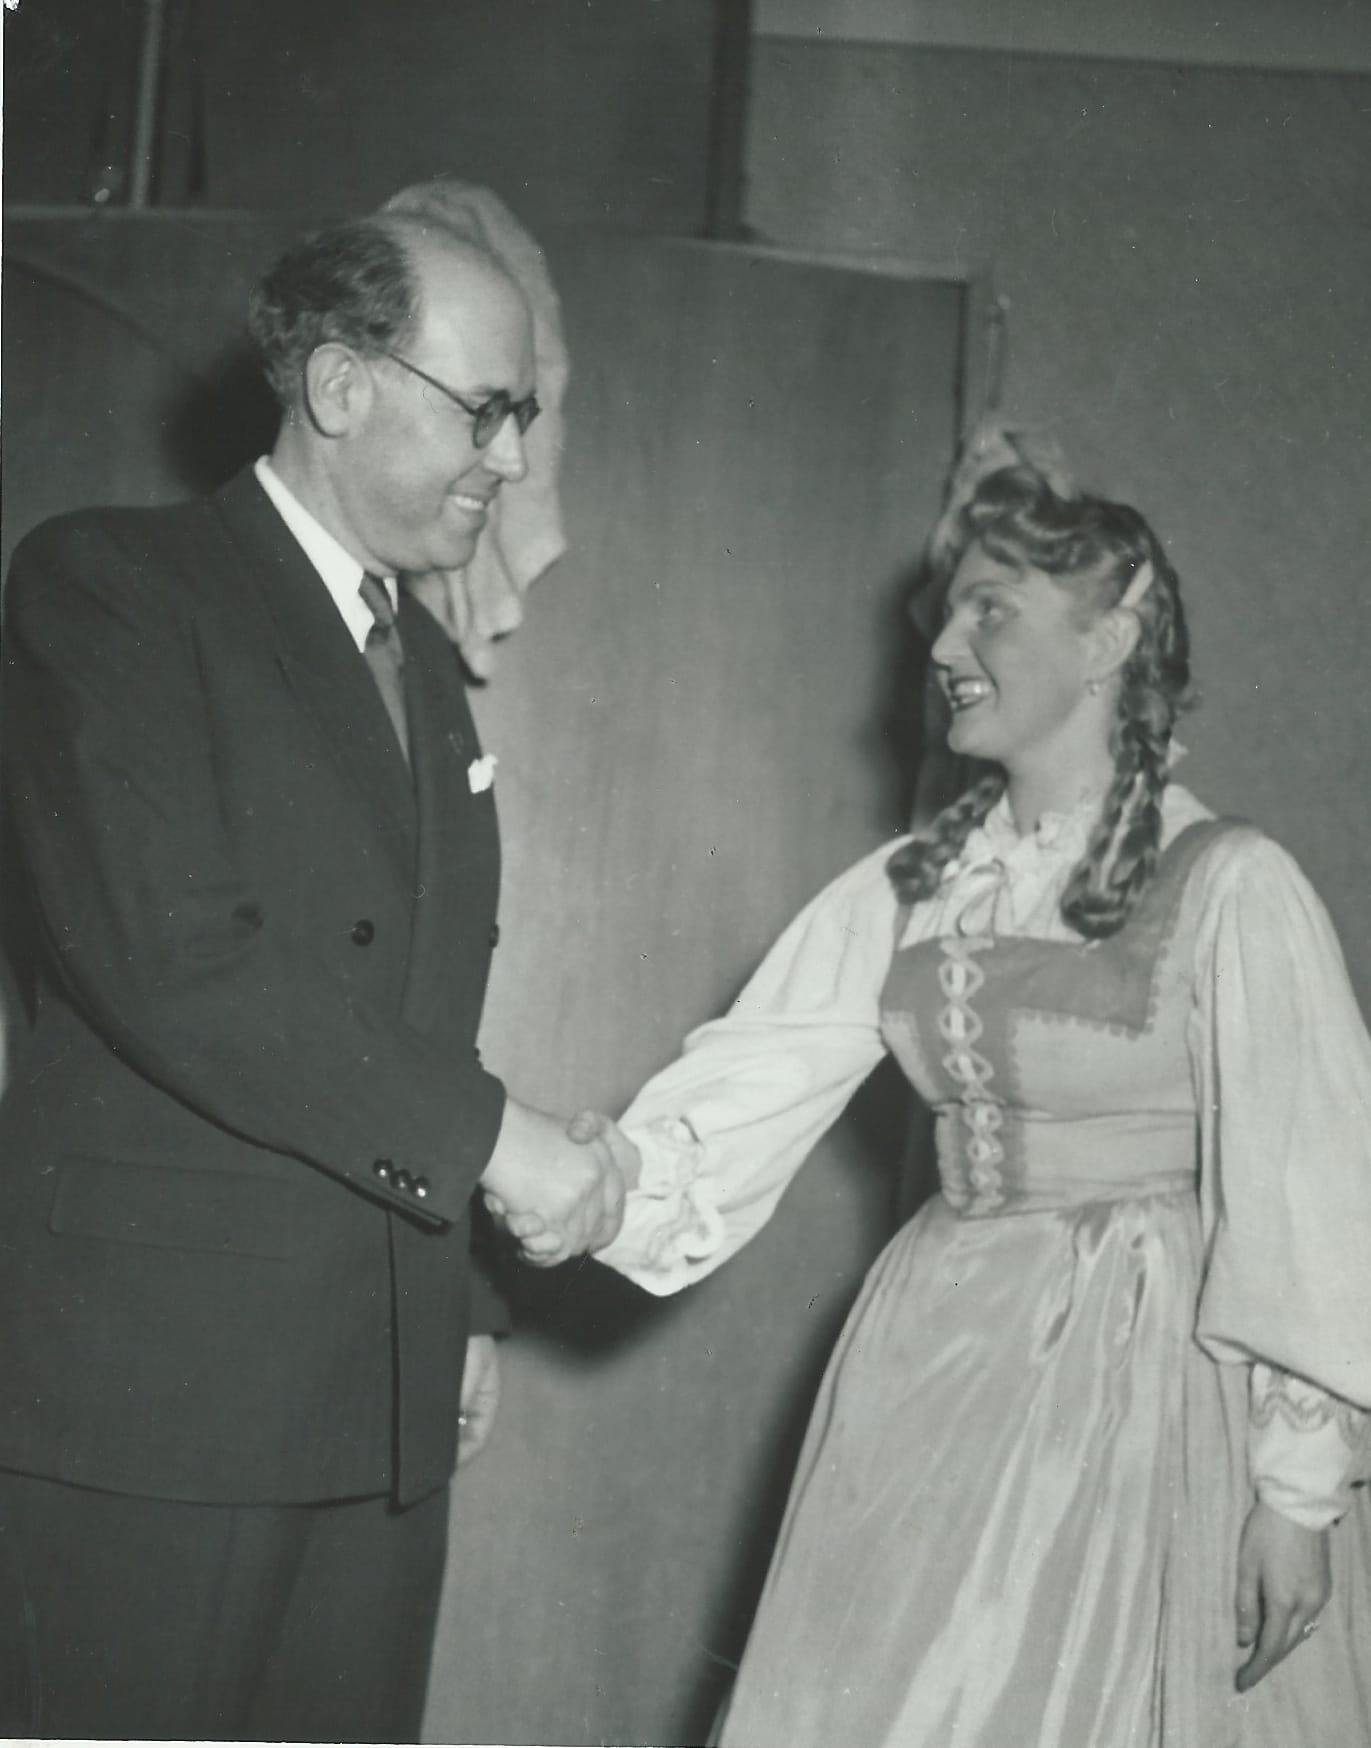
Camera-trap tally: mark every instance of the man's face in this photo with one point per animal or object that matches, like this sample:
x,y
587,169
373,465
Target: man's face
x,y
409,481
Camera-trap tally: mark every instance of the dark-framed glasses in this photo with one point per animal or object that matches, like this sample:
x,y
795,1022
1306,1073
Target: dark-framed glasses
x,y
486,416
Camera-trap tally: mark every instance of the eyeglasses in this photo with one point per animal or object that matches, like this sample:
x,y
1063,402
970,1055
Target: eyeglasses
x,y
486,416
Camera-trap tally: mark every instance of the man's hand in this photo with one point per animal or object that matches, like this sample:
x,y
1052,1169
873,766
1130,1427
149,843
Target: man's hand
x,y
1283,1584
480,1397
557,1198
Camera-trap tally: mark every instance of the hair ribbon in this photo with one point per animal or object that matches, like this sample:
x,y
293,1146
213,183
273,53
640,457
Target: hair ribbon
x,y
1142,581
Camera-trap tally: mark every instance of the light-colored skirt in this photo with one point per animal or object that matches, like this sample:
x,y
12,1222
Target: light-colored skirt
x,y
1016,1515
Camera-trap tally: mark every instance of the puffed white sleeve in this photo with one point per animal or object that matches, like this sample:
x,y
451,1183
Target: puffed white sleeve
x,y
724,1128
1285,1098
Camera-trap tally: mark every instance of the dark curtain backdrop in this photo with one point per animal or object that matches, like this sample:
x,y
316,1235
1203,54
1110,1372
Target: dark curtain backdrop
x,y
576,111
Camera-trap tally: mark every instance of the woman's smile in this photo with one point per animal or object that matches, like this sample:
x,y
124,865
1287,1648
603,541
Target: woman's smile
x,y
964,691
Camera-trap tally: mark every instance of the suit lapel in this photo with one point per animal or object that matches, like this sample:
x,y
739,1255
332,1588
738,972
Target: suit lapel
x,y
443,838
322,663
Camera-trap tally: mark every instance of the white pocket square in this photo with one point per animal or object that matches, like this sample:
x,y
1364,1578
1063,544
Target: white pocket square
x,y
481,773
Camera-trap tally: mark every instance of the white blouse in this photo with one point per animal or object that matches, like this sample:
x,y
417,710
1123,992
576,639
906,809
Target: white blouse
x,y
1286,1153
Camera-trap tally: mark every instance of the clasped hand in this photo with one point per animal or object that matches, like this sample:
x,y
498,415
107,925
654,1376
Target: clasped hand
x,y
559,1191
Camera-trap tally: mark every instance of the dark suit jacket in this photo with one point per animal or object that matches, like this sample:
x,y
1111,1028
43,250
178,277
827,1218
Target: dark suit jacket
x,y
237,1155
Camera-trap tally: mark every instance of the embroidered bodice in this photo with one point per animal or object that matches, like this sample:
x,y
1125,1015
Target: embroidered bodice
x,y
1059,1070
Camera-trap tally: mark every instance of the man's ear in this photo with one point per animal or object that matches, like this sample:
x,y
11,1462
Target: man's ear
x,y
1114,637
338,389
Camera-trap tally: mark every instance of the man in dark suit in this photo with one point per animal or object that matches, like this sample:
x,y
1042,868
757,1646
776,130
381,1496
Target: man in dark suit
x,y
238,1325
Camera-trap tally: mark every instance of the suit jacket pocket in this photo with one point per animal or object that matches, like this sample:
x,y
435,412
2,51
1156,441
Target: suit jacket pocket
x,y
213,1211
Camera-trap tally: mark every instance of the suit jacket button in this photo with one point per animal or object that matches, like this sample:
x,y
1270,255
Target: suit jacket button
x,y
363,932
382,1170
494,935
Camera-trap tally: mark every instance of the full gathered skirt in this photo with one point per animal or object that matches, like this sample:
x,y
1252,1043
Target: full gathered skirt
x,y
1016,1516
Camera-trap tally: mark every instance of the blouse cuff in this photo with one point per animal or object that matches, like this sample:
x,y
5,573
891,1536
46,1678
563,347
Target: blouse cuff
x,y
1307,1447
671,1222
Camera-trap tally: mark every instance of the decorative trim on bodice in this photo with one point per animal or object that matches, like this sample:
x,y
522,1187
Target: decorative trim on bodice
x,y
967,1062
982,1113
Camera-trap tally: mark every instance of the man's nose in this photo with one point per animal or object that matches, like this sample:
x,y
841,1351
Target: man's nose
x,y
505,453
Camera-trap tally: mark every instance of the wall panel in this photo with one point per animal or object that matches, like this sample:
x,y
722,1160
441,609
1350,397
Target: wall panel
x,y
705,718
1185,253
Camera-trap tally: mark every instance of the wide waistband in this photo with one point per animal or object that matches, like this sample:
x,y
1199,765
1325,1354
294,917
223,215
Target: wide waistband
x,y
999,1162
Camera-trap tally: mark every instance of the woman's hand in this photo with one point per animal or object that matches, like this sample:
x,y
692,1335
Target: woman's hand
x,y
556,1197
587,1127
1283,1584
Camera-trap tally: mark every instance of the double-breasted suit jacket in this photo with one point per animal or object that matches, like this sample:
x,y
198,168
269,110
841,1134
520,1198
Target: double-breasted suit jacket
x,y
238,1150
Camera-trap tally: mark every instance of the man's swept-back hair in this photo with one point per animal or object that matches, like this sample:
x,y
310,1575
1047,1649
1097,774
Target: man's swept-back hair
x,y
1095,549
353,283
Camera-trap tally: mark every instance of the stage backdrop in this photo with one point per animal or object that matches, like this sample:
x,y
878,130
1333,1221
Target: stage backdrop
x,y
710,712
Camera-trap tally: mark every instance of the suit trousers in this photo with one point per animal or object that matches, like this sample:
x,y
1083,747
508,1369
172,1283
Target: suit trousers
x,y
128,1617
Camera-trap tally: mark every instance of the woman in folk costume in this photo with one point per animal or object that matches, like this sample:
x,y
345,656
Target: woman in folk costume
x,y
1081,1473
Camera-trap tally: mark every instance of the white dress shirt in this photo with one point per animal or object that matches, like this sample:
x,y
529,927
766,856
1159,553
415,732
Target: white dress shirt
x,y
341,573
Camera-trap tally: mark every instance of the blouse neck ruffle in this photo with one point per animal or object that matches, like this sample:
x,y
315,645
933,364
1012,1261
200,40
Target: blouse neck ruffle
x,y
1008,882
1057,837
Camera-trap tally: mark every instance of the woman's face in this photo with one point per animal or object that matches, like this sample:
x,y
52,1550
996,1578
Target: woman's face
x,y
1013,660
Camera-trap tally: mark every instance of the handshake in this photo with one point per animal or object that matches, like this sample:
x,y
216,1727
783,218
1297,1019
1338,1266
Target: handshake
x,y
559,1191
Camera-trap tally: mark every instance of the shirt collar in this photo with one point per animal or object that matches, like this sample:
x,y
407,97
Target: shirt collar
x,y
341,573
1059,835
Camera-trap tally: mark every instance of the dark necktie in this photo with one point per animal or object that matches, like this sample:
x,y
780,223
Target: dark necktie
x,y
386,657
